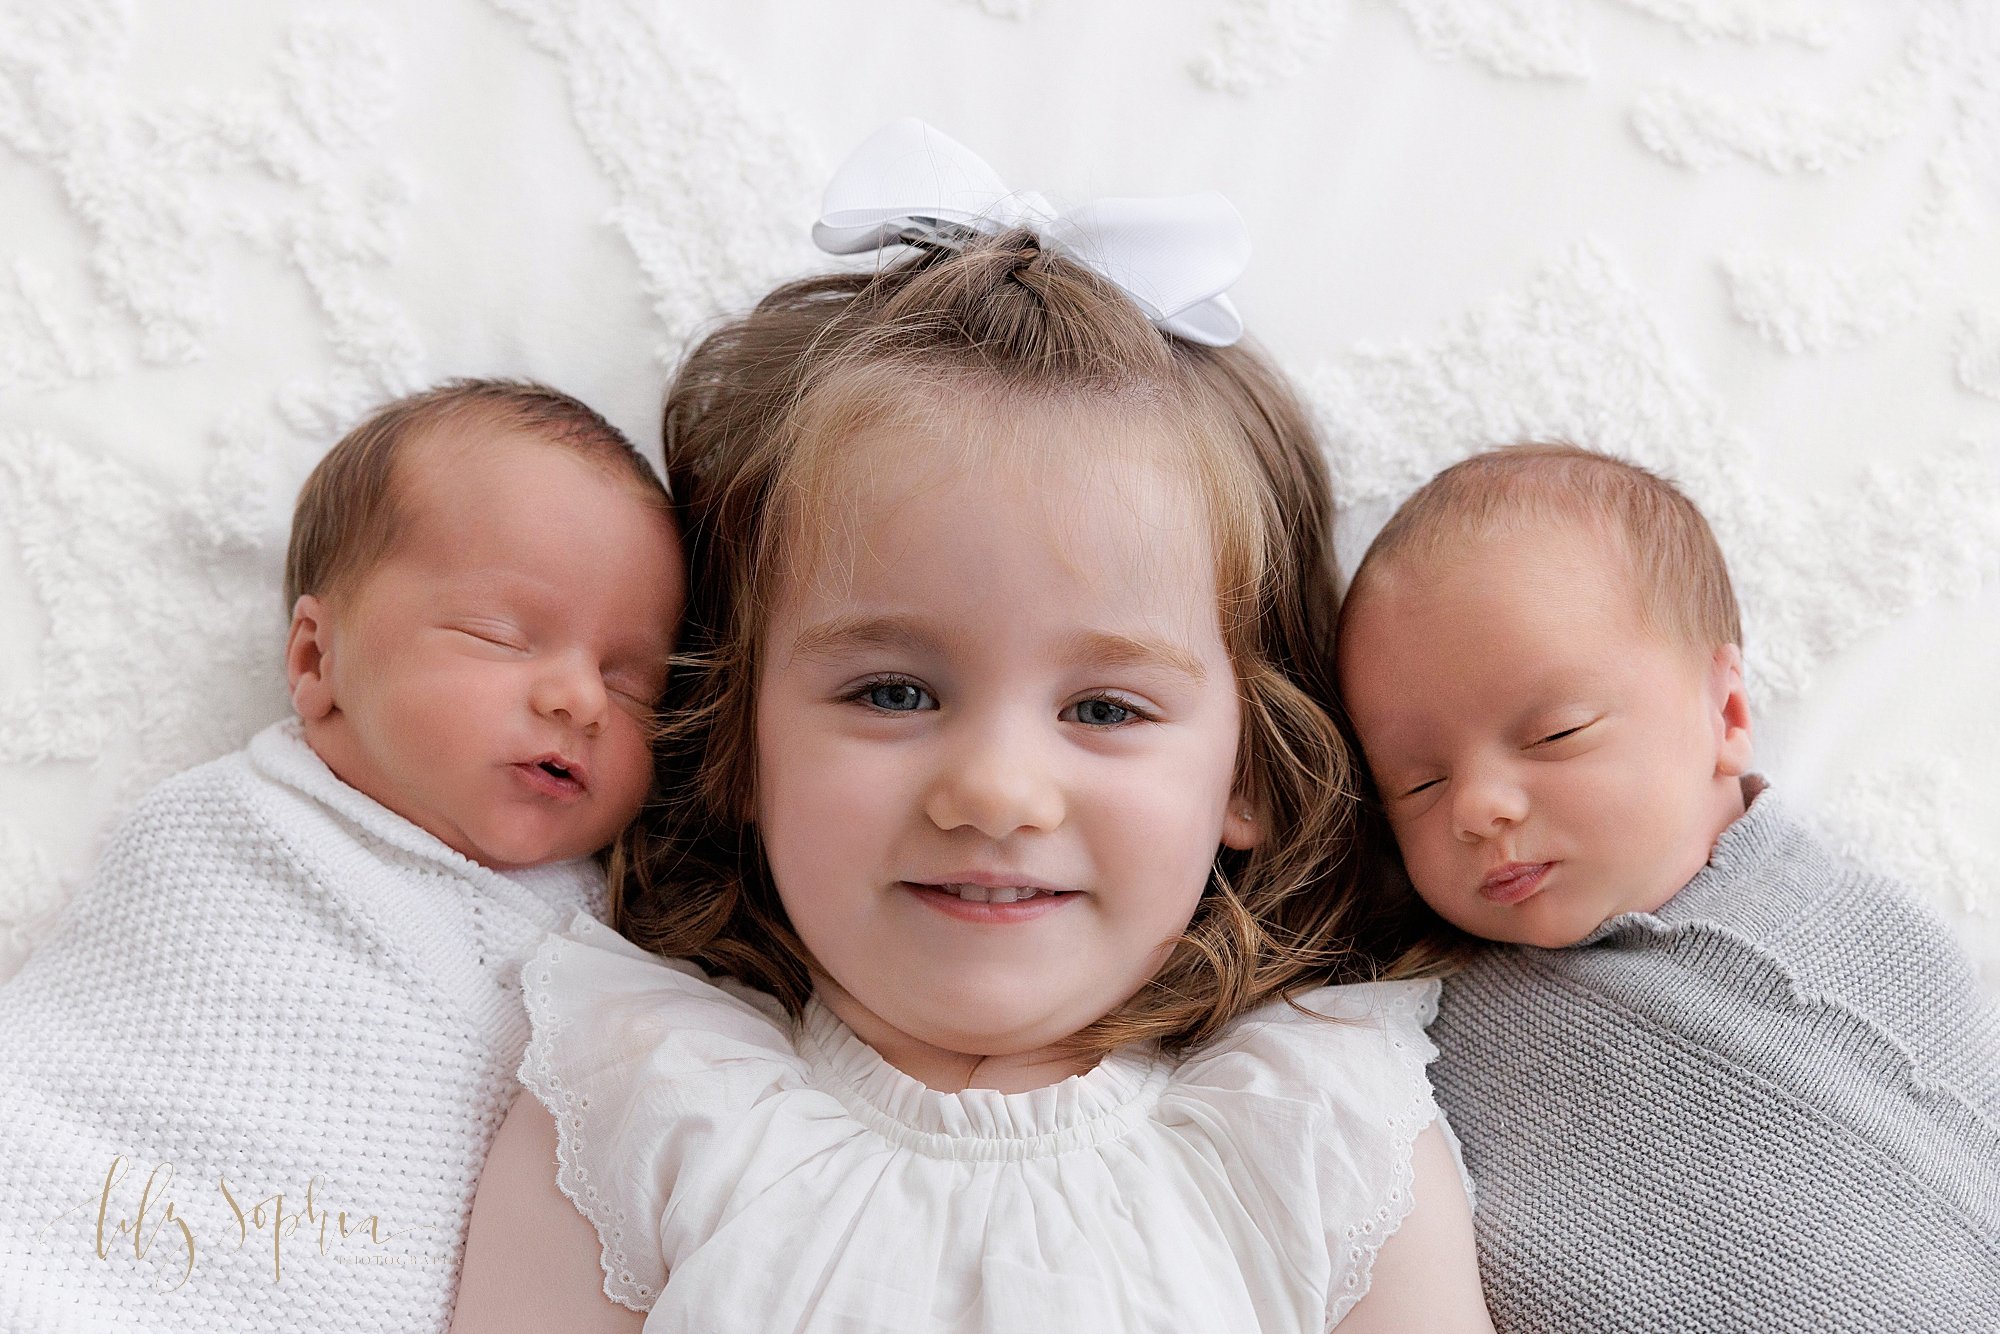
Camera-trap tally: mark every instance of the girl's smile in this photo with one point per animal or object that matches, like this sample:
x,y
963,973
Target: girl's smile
x,y
996,735
979,897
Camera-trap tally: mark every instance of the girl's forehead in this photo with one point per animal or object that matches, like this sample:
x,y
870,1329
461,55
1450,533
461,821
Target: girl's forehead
x,y
1073,464
961,423
929,526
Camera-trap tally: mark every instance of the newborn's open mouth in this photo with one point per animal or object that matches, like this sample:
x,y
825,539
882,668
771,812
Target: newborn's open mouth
x,y
557,772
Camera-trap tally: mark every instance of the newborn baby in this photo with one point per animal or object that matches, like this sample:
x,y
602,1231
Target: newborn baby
x,y
1710,1076
250,1078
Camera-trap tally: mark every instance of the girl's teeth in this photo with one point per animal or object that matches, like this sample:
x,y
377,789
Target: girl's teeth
x,y
997,894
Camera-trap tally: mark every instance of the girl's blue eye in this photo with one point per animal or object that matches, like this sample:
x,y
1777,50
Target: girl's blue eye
x,y
1104,713
898,696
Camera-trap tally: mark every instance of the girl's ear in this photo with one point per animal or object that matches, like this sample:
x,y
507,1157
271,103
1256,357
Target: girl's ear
x,y
308,659
1240,829
1729,701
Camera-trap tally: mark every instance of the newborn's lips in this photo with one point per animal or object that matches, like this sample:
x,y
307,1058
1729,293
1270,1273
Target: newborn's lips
x,y
556,774
1514,881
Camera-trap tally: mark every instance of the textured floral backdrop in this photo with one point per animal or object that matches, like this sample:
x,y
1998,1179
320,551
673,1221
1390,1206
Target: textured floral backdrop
x,y
1755,243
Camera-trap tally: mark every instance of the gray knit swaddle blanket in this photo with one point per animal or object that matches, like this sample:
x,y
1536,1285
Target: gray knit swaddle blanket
x,y
1774,1105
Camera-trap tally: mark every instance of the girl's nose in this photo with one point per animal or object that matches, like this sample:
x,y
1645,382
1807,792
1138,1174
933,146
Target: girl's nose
x,y
1486,801
569,689
995,781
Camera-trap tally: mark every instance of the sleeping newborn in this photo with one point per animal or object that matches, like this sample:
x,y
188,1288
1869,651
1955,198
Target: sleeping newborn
x,y
1711,1076
250,1078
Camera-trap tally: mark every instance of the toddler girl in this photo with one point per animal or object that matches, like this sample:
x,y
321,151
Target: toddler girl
x,y
1003,832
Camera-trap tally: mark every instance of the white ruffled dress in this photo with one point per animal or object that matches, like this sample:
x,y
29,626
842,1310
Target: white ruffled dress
x,y
788,1178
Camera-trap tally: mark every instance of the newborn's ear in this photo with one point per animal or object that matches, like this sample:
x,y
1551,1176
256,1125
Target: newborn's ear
x,y
307,647
1729,702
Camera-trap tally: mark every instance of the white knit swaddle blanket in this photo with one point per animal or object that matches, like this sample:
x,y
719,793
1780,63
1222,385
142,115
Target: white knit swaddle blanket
x,y
273,987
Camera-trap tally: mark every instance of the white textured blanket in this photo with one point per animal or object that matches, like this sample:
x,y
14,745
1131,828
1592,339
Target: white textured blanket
x,y
1753,242
250,1079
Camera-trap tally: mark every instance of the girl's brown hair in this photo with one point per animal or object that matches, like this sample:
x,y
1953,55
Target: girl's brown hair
x,y
756,419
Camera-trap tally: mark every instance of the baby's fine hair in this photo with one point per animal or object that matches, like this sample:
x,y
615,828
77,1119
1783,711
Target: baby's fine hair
x,y
1676,565
348,517
758,420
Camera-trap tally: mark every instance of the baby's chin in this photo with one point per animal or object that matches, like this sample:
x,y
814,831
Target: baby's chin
x,y
503,848
1556,937
1566,916
1522,930
525,858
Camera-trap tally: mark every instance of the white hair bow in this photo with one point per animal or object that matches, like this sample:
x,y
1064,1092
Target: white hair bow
x,y
1175,257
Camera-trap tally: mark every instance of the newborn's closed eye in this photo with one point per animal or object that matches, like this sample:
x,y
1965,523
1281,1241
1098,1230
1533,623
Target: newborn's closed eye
x,y
495,635
1562,734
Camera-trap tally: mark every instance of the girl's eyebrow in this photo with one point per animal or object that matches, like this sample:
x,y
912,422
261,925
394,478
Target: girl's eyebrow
x,y
1098,648
845,634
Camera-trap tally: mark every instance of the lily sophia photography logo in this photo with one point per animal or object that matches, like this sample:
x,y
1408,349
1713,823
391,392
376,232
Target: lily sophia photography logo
x,y
140,1220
